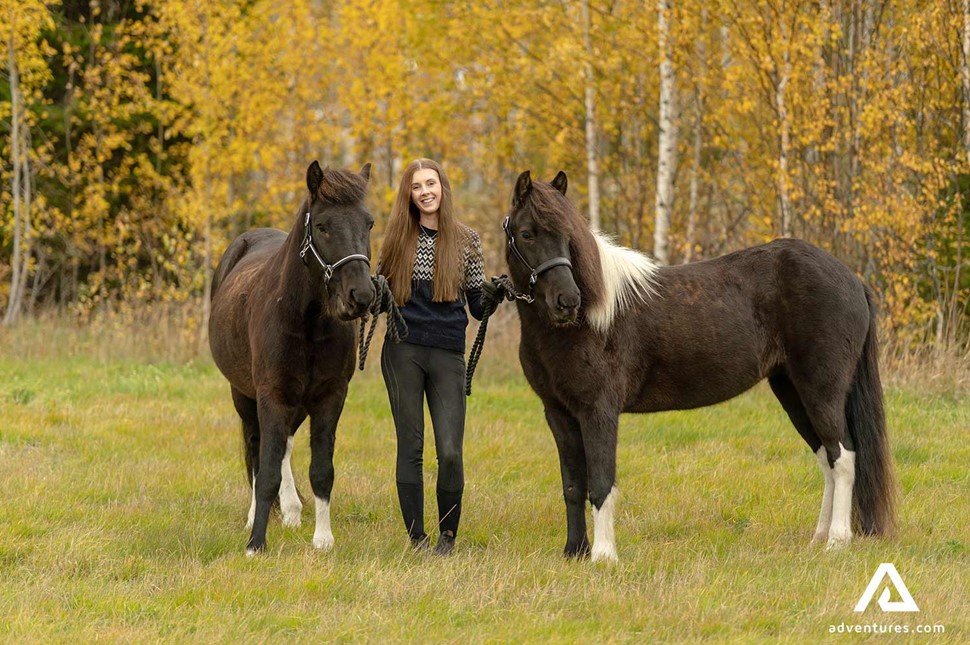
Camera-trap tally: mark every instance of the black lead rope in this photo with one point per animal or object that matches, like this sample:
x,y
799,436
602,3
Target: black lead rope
x,y
506,291
397,328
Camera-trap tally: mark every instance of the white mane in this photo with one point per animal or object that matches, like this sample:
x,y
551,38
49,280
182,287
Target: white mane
x,y
629,277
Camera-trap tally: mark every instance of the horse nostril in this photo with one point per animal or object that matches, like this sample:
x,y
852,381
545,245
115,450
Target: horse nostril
x,y
568,301
362,297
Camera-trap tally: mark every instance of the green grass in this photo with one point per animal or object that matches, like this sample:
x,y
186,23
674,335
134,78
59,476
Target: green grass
x,y
123,502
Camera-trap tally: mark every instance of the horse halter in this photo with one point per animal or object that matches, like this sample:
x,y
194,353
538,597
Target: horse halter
x,y
328,269
537,271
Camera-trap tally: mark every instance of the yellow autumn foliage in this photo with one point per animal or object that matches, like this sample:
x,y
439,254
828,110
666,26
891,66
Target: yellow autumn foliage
x,y
190,122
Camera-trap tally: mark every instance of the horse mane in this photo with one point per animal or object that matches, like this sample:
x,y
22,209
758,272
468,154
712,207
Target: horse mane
x,y
610,278
342,186
629,277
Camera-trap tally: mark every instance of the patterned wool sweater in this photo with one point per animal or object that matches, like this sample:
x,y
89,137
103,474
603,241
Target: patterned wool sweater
x,y
442,324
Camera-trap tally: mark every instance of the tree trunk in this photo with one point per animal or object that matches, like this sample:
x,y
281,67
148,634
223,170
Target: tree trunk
x,y
827,225
207,197
698,144
207,291
667,157
207,259
41,277
14,303
784,139
951,332
26,224
592,168
102,219
965,73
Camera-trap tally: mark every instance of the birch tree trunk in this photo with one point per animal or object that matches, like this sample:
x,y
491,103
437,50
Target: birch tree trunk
x,y
784,141
667,156
592,168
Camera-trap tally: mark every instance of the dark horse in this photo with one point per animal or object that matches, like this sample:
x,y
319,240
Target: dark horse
x,y
610,332
280,332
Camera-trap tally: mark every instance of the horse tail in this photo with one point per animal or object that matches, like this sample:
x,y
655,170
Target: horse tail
x,y
229,259
875,490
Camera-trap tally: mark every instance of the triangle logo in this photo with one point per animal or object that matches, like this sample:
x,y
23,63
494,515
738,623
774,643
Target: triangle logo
x,y
887,569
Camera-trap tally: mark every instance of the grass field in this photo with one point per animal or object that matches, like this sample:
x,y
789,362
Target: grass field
x,y
124,501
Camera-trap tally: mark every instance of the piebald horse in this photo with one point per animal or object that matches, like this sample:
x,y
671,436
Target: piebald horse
x,y
605,331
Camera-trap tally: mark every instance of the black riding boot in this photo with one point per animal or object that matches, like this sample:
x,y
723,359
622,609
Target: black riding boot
x,y
449,514
411,497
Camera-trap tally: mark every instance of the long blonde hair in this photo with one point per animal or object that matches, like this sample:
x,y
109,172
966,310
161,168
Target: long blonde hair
x,y
401,240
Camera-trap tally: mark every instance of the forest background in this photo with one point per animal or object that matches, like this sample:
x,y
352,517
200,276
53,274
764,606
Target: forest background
x,y
138,138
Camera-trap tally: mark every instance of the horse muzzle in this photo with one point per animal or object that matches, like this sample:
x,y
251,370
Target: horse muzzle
x,y
566,309
356,301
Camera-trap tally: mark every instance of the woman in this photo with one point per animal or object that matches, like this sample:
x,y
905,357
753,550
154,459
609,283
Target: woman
x,y
434,266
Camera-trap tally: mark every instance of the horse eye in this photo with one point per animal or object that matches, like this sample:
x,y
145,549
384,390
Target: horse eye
x,y
525,235
370,226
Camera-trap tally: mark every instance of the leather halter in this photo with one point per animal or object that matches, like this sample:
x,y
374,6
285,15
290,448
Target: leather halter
x,y
537,271
328,269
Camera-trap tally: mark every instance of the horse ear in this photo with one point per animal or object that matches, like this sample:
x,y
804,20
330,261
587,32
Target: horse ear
x,y
314,177
522,187
559,183
365,171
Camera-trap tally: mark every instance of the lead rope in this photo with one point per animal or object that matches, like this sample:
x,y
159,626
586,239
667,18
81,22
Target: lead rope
x,y
397,328
506,291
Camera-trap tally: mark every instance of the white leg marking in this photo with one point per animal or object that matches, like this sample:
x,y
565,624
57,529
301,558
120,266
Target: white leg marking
x,y
290,504
322,537
604,546
252,507
825,515
840,533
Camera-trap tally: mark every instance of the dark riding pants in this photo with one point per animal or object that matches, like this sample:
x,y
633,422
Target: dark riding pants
x,y
413,373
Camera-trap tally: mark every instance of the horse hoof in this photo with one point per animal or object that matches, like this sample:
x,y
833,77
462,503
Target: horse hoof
x,y
605,554
292,519
838,542
580,552
323,542
255,546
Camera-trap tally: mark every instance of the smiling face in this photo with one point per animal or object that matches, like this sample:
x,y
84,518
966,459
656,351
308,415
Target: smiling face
x,y
426,191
